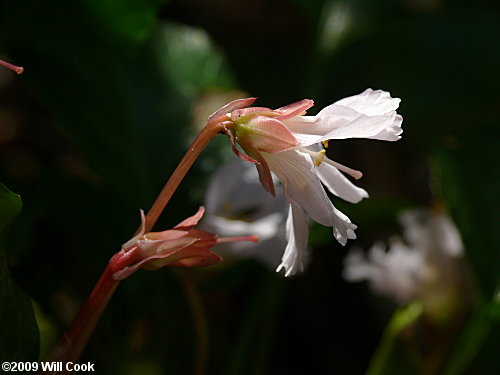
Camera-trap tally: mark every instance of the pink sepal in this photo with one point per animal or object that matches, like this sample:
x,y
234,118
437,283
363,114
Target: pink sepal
x,y
265,177
295,109
231,106
183,246
235,149
267,134
191,221
263,111
134,239
190,256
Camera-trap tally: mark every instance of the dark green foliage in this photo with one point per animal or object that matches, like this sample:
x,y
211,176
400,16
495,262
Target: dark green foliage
x,y
19,339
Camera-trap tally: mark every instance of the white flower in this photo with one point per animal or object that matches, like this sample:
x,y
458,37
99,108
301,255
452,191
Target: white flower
x,y
289,144
424,268
395,273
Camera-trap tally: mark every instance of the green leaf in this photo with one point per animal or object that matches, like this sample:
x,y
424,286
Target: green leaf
x,y
126,22
10,206
391,357
19,338
476,331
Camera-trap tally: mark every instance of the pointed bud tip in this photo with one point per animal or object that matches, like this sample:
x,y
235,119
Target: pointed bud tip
x,y
14,68
231,106
295,109
251,238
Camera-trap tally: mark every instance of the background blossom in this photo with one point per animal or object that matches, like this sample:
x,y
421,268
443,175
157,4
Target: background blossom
x,y
425,266
237,205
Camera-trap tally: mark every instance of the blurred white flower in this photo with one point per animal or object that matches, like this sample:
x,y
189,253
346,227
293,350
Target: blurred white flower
x,y
236,205
395,273
426,266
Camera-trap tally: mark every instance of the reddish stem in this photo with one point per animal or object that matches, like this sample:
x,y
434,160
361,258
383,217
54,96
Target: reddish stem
x,y
71,345
207,133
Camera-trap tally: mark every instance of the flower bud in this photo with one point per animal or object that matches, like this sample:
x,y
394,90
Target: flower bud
x,y
183,246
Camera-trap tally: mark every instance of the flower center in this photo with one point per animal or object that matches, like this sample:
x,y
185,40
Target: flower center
x,y
317,156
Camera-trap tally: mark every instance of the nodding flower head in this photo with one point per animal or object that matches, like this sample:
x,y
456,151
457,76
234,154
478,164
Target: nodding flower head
x,y
291,145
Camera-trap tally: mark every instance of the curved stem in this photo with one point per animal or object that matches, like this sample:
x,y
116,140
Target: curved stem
x,y
206,134
71,345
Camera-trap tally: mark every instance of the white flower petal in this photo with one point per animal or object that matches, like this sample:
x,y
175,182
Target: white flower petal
x,y
302,186
447,235
371,102
339,184
300,183
297,234
415,232
343,229
371,114
384,127
431,232
401,271
357,267
425,268
396,273
265,227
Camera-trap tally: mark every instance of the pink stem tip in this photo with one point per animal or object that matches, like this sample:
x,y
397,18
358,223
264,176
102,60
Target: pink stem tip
x,y
14,68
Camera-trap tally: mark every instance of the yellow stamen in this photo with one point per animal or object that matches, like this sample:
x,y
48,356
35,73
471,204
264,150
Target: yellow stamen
x,y
320,156
325,143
